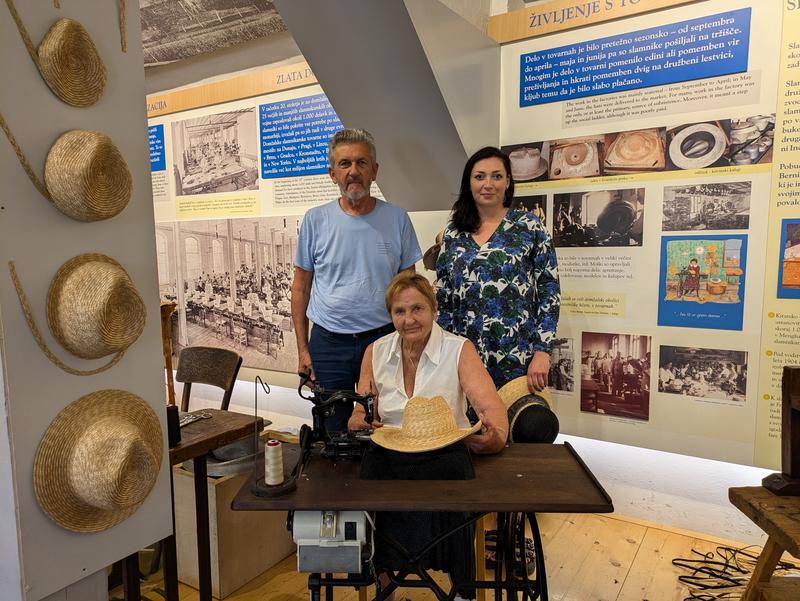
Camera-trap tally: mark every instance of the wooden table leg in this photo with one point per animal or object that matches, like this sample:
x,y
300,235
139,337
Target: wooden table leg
x,y
130,578
171,553
203,536
763,571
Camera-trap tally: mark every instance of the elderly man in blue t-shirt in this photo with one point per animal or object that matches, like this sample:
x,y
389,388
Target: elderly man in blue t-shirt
x,y
348,251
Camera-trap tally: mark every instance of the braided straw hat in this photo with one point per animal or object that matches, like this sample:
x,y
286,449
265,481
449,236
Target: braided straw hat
x,y
428,424
87,177
93,308
98,460
67,59
516,396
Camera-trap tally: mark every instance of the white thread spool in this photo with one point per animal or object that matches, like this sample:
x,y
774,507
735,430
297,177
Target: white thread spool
x,y
273,463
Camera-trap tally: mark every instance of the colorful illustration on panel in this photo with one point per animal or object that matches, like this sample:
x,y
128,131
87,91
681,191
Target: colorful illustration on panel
x,y
701,281
789,262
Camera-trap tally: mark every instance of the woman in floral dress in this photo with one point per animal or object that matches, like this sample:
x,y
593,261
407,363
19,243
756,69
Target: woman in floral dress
x,y
497,274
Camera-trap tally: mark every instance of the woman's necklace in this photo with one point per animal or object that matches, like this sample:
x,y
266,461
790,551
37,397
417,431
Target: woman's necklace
x,y
407,356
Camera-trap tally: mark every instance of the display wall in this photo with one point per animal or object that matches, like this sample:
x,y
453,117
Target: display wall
x,y
40,556
649,141
230,184
655,142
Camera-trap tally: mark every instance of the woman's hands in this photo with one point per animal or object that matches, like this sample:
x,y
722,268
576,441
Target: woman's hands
x,y
490,439
357,421
538,371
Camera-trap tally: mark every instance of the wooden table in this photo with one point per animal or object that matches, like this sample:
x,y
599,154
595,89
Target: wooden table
x,y
779,517
524,478
197,440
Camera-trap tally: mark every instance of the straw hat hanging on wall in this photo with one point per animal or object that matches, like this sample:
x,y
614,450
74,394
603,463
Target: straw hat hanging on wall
x,y
428,424
123,37
93,310
98,460
67,60
86,175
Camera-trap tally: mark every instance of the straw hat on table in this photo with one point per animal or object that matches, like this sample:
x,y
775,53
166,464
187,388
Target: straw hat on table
x,y
98,460
428,424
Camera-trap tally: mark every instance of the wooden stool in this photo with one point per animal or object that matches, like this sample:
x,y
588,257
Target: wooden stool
x,y
777,516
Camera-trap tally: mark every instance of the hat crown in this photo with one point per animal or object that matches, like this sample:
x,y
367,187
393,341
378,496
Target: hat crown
x,y
425,418
70,63
87,176
111,466
94,309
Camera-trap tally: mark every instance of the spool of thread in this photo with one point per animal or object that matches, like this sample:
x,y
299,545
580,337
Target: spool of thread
x,y
273,463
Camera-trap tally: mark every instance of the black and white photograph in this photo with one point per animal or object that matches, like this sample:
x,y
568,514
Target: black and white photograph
x,y
529,161
562,365
599,218
535,204
703,373
717,206
615,375
176,29
231,280
215,153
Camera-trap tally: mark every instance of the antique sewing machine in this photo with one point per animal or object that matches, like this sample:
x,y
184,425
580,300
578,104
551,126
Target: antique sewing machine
x,y
787,483
335,445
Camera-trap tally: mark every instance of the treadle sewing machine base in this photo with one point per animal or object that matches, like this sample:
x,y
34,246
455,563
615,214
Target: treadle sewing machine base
x,y
523,478
511,539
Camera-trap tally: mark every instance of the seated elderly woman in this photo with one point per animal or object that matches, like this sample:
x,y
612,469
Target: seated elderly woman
x,y
418,360
421,359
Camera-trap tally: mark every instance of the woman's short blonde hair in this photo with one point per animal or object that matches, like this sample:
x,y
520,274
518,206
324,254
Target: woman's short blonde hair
x,y
409,279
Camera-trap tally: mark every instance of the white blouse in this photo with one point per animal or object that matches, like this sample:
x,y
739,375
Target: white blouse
x,y
437,375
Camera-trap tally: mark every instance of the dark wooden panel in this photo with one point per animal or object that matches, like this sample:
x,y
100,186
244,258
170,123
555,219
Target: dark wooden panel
x,y
204,435
524,477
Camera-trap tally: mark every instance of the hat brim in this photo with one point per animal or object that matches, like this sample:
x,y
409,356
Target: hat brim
x,y
50,471
396,439
517,388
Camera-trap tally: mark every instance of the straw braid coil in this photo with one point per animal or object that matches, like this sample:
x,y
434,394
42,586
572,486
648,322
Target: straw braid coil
x,y
93,308
67,60
120,320
87,176
98,460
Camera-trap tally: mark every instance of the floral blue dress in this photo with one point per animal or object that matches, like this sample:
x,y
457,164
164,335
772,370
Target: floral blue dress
x,y
504,296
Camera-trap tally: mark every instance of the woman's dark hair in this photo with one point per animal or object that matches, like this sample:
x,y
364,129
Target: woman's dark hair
x,y
465,213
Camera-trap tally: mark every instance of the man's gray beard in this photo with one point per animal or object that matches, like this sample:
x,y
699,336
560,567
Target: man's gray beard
x,y
355,197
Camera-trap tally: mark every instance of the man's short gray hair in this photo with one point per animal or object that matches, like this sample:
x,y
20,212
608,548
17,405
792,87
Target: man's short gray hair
x,y
352,136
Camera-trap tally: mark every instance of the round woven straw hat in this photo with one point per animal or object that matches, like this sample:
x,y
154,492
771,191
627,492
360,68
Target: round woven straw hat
x,y
428,424
516,396
87,176
98,460
93,308
70,64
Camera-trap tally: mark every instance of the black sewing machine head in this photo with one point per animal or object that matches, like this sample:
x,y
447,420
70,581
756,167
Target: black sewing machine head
x,y
336,445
